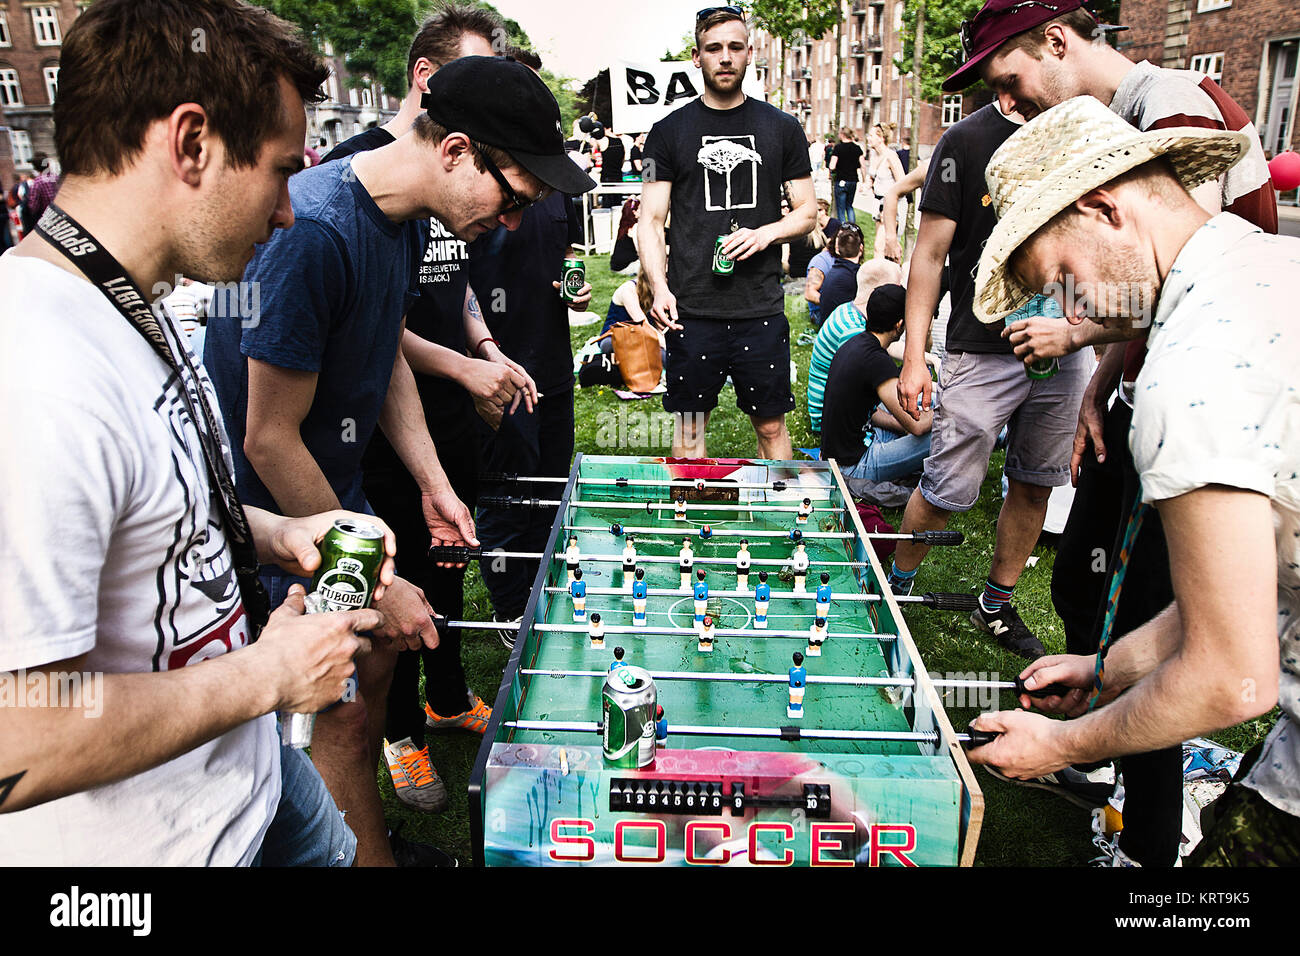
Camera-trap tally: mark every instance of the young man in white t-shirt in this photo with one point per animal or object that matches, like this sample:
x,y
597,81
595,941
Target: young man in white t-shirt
x,y
136,718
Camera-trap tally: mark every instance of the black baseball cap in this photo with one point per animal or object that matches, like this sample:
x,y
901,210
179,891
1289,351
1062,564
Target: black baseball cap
x,y
500,102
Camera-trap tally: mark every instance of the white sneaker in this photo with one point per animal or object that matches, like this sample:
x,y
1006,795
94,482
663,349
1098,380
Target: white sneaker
x,y
1111,854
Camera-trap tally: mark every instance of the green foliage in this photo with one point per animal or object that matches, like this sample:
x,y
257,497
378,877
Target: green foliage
x,y
373,36
561,88
687,44
793,21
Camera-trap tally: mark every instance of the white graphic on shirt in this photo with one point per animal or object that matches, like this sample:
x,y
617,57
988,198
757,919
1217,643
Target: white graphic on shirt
x,y
721,157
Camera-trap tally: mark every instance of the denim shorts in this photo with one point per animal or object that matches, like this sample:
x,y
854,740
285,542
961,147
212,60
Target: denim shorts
x,y
308,829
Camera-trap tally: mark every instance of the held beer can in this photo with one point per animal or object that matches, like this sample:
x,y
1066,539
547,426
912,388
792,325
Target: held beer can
x,y
721,264
627,711
1039,305
352,552
572,278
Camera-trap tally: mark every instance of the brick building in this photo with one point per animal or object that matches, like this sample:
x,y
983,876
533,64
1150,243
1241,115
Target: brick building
x,y
347,110
1250,47
803,78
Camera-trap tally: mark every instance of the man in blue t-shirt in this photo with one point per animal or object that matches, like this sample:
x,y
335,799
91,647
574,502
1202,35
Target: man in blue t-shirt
x,y
307,378
719,161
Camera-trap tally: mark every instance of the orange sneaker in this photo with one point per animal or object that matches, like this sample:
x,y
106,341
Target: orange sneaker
x,y
475,719
415,782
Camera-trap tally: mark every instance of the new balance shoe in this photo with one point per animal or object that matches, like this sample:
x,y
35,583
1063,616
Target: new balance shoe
x,y
1008,630
409,853
474,719
415,782
1087,790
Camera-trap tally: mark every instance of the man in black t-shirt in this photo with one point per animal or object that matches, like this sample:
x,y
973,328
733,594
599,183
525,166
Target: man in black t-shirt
x,y
862,378
845,164
719,162
984,386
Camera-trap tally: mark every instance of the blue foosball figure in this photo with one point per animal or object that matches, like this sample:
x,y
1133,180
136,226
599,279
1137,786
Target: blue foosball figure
x,y
798,680
661,727
639,592
701,595
578,591
824,596
762,595
617,662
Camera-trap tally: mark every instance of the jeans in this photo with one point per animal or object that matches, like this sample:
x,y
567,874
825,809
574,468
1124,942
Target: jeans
x,y
845,189
891,456
308,829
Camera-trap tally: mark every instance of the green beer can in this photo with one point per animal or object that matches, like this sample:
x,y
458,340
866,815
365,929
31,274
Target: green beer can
x,y
572,278
627,710
1039,305
722,266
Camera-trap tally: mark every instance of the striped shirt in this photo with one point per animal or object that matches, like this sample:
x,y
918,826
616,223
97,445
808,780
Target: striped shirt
x,y
842,324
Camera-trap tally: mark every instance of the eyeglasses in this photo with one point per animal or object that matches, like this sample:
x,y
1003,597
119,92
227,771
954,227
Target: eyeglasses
x,y
710,11
851,227
514,202
968,26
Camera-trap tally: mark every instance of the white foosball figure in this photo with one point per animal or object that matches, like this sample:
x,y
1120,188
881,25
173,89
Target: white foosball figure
x,y
679,508
762,594
805,509
629,563
596,629
578,591
824,596
706,635
742,566
816,637
799,561
685,559
572,556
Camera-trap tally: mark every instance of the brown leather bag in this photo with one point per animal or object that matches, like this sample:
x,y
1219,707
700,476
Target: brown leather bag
x,y
637,351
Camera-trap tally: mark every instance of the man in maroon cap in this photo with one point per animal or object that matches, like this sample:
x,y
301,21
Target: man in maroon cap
x,y
1035,55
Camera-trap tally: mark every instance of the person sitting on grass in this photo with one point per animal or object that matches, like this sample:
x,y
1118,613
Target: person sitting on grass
x,y
863,378
818,266
842,280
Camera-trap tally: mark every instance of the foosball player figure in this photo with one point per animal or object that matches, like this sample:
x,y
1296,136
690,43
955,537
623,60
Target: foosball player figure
x,y
572,556
706,533
798,678
679,508
661,727
742,566
578,591
816,637
618,658
824,596
685,558
805,509
629,562
639,592
701,595
799,561
762,594
706,635
597,631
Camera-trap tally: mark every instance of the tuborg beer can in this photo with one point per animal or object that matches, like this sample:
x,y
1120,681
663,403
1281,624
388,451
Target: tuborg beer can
x,y
627,711
721,264
351,554
572,278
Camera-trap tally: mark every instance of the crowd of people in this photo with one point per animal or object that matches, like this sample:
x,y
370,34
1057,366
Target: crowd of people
x,y
162,513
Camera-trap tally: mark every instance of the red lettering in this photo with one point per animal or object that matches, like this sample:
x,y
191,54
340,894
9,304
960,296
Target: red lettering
x,y
694,827
818,844
898,850
660,836
588,844
787,834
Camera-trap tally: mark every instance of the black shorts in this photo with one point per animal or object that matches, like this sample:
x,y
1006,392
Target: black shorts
x,y
754,352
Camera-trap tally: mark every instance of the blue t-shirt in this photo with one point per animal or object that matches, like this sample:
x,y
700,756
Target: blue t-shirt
x,y
822,261
840,285
332,291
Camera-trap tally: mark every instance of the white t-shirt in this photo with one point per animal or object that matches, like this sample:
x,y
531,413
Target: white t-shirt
x,y
110,547
1217,403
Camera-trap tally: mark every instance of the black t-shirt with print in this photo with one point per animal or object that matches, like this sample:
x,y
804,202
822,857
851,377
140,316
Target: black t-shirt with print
x,y
725,166
956,189
858,370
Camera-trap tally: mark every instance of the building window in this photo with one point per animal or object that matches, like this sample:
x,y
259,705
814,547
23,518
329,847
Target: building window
x,y
354,97
11,91
45,21
51,74
1203,6
22,147
367,97
4,29
1211,64
951,109
1275,120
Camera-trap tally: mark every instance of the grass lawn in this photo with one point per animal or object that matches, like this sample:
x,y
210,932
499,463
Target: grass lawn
x,y
1022,827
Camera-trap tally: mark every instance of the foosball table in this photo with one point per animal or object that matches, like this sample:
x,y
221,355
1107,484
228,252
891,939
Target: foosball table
x,y
793,720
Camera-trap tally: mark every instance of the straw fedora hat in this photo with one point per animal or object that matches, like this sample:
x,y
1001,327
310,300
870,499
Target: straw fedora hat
x,y
1062,154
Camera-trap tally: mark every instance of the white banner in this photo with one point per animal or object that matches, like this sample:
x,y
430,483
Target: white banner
x,y
643,93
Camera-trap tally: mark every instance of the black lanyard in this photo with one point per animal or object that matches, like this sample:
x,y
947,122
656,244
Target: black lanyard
x,y
99,266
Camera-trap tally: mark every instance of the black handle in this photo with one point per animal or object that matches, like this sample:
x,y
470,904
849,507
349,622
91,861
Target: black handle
x,y
506,501
949,601
978,738
454,554
938,537
497,477
1051,690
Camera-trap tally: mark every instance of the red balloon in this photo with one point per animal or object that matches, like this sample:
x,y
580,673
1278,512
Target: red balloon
x,y
1284,168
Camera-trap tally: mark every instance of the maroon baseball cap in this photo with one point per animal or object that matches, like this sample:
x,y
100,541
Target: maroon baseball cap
x,y
995,23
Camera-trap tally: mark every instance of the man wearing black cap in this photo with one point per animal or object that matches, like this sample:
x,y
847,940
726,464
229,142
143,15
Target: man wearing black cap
x,y
862,379
303,384
719,161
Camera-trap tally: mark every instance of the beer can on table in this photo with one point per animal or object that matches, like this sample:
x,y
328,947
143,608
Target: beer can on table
x,y
352,552
573,277
721,264
627,711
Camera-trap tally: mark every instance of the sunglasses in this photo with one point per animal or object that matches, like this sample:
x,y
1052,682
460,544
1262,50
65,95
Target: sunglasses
x,y
968,26
710,11
514,201
851,227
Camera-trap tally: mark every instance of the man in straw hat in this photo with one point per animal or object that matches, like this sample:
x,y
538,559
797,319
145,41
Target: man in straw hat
x,y
1098,214
1035,56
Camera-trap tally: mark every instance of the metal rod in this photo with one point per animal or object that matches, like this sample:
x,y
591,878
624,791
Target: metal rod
x,y
670,506
728,676
669,531
658,631
687,592
588,726
685,484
